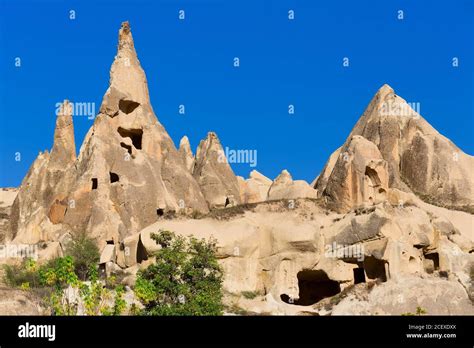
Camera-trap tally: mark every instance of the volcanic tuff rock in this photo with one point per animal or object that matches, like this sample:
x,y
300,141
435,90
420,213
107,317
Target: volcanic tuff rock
x,y
214,174
284,187
128,170
255,188
186,153
360,175
419,158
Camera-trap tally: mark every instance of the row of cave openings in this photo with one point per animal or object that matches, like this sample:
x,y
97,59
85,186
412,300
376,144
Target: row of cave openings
x,y
315,285
114,177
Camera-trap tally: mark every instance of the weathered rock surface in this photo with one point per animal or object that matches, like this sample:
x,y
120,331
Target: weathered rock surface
x,y
255,188
7,196
434,295
127,174
186,153
284,187
214,174
419,158
19,302
359,176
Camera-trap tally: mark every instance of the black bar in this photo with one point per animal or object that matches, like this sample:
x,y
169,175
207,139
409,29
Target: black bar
x,y
260,330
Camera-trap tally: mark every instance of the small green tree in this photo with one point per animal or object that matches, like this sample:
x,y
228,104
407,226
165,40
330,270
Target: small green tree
x,y
85,253
186,278
60,274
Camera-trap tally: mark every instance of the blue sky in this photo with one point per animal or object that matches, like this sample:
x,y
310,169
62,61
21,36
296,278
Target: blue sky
x,y
282,62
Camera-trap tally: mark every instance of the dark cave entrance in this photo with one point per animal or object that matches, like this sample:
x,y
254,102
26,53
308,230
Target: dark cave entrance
x,y
134,134
127,106
374,268
126,147
160,212
359,275
435,258
141,252
313,287
113,177
95,183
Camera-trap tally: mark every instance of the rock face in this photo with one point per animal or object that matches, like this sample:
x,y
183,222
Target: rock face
x,y
186,153
360,175
214,175
64,147
127,174
7,196
284,187
297,257
255,188
419,159
41,201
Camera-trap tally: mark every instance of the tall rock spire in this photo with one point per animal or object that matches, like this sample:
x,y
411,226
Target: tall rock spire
x,y
128,88
64,147
186,153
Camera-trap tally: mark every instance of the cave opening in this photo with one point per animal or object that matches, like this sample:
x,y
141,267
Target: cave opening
x,y
359,275
135,135
95,183
127,106
160,212
141,252
113,177
374,268
373,176
126,147
435,258
313,287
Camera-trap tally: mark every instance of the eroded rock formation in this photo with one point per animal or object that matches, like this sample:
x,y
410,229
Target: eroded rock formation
x,y
419,159
214,174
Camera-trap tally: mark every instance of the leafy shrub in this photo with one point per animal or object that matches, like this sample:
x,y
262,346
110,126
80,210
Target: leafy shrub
x,y
85,253
61,274
24,275
185,279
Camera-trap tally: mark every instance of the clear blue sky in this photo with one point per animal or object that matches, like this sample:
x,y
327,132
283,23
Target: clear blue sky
x,y
283,62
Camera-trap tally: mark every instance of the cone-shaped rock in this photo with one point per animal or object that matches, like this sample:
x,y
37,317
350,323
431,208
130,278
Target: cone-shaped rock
x,y
214,174
186,153
419,158
128,172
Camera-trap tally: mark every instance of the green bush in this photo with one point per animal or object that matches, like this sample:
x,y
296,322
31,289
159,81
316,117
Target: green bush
x,y
85,253
61,274
186,278
24,275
